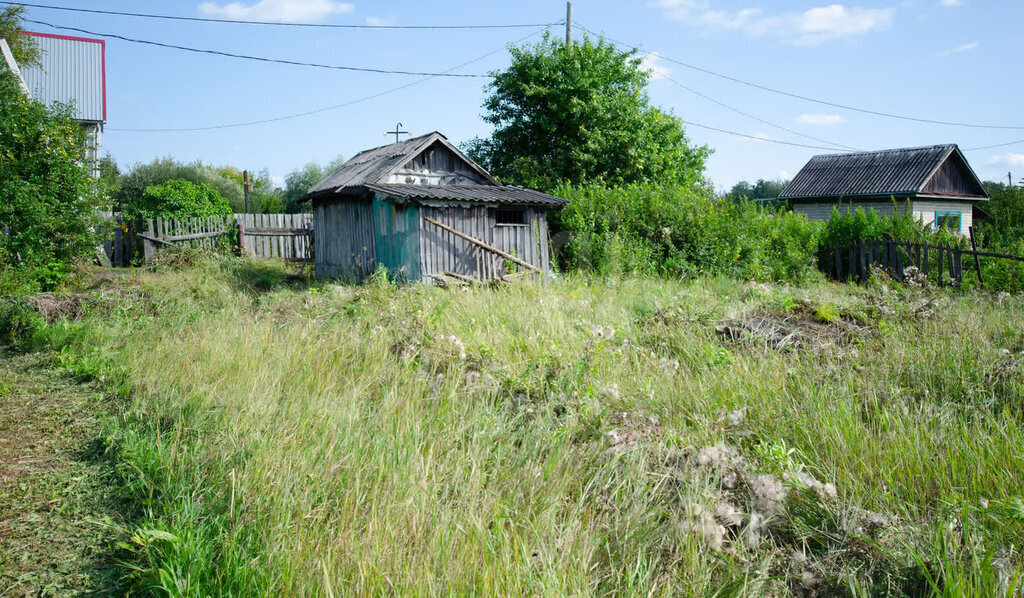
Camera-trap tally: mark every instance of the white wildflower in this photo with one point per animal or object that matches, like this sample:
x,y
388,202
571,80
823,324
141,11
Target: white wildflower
x,y
728,514
702,524
769,493
752,533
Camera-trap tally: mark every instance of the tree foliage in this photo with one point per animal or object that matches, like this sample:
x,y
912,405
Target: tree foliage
x,y
762,189
46,196
181,199
681,230
24,48
142,176
580,113
301,180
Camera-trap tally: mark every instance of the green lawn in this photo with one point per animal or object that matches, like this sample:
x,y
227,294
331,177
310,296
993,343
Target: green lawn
x,y
586,436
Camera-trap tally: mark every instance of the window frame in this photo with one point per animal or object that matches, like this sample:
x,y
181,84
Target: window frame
x,y
942,217
523,219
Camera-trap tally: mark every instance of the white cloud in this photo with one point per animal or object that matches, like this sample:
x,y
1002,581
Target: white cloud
x,y
819,119
952,2
655,68
1014,160
960,48
381,21
784,175
761,136
810,27
283,11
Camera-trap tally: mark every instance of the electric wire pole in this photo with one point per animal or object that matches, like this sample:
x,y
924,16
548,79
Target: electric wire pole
x,y
568,23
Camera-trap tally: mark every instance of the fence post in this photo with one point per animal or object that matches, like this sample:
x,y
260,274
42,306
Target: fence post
x,y
977,260
148,246
924,261
958,263
241,236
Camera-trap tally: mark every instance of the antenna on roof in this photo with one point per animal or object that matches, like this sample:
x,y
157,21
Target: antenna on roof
x,y
398,131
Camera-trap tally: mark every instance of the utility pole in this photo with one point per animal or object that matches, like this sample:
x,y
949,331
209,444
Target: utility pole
x,y
1009,178
568,23
246,187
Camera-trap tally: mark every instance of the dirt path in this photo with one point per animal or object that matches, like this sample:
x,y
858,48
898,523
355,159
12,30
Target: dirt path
x,y
59,516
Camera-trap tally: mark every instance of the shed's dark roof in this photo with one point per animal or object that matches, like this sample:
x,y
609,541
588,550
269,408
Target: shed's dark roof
x,y
471,193
900,172
372,165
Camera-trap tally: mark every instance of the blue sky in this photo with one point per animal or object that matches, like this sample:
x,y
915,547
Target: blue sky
x,y
948,60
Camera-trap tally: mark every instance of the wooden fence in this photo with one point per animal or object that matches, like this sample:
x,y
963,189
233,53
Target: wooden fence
x,y
942,264
184,232
132,242
285,236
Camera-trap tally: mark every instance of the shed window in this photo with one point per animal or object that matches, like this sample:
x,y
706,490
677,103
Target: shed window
x,y
510,216
948,220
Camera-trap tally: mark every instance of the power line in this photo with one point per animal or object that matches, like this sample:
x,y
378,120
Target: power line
x,y
275,24
325,108
756,138
802,97
258,58
758,119
971,149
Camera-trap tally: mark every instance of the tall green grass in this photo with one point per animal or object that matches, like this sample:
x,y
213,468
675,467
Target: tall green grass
x,y
312,439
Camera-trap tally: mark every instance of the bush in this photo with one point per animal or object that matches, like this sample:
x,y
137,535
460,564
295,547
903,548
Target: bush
x,y
143,176
682,231
846,227
46,196
180,199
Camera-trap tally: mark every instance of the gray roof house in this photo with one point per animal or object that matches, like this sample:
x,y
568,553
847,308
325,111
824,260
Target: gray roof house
x,y
426,212
73,71
937,181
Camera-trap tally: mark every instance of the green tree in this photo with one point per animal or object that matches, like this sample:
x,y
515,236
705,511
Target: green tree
x,y
580,113
762,189
159,171
301,180
180,199
1006,208
47,199
23,47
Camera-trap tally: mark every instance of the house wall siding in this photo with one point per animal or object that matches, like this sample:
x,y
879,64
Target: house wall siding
x,y
923,209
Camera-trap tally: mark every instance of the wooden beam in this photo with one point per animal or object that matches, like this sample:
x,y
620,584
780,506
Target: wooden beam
x,y
483,245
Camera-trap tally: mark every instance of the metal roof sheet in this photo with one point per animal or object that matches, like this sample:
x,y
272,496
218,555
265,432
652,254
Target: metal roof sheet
x,y
897,172
73,72
471,193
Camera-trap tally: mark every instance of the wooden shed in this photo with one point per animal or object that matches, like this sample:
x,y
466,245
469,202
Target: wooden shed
x,y
426,212
937,181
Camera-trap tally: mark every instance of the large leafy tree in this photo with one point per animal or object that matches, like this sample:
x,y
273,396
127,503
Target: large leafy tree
x,y
762,189
301,180
580,113
23,47
46,196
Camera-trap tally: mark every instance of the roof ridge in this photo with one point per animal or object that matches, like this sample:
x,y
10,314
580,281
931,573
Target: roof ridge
x,y
888,150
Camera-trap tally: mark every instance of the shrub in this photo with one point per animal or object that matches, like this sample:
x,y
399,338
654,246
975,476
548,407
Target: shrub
x,y
682,231
181,199
846,227
46,196
133,184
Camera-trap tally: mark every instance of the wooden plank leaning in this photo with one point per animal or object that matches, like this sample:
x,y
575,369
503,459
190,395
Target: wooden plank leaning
x,y
483,245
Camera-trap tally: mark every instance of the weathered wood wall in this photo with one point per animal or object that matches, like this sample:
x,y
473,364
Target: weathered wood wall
x,y
436,165
441,251
344,239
